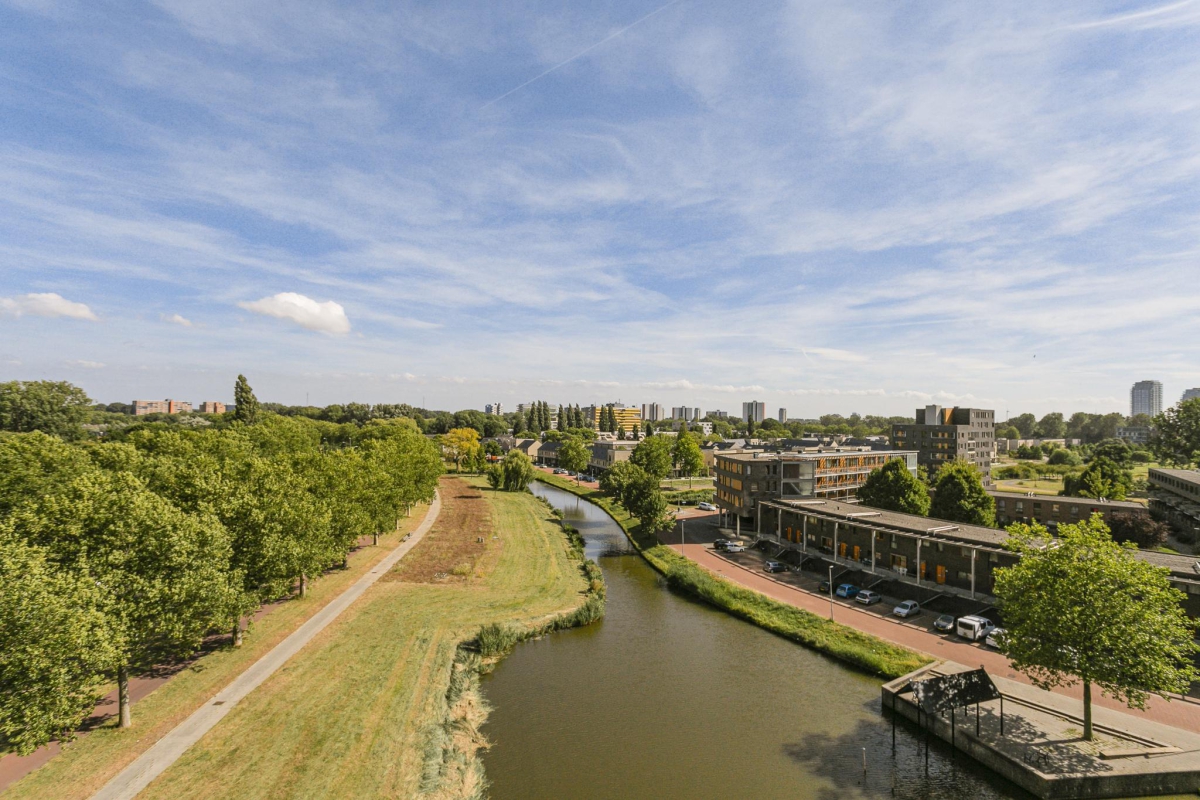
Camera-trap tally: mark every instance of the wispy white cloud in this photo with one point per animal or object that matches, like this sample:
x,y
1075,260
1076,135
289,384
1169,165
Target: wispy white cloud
x,y
326,317
44,304
176,319
86,364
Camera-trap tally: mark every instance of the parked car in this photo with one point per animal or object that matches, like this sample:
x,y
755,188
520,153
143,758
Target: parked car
x,y
847,590
974,628
909,608
721,544
824,587
868,597
775,566
944,623
706,507
994,638
735,547
559,471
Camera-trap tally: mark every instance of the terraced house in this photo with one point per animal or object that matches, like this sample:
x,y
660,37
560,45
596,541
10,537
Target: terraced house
x,y
745,479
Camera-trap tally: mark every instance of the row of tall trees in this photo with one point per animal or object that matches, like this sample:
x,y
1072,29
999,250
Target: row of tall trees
x,y
119,555
958,493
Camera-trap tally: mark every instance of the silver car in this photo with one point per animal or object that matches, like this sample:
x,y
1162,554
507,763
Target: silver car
x,y
909,608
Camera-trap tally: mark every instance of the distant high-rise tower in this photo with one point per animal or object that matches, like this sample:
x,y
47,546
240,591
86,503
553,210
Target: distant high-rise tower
x,y
1146,398
754,411
783,415
1190,394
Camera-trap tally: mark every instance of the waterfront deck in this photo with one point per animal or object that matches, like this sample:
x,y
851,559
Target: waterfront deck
x,y
1042,749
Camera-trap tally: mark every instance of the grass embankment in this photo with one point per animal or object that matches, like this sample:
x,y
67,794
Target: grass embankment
x,y
88,763
384,702
858,649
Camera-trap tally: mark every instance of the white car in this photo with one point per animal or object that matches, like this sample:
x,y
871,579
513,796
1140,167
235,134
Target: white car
x,y
994,638
735,548
706,507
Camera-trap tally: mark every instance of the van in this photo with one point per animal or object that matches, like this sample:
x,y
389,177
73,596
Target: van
x,y
973,628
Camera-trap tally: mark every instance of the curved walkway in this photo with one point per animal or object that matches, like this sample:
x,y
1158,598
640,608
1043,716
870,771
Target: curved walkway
x,y
167,750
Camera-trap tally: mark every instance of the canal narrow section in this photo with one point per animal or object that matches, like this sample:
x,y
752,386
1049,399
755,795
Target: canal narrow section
x,y
670,698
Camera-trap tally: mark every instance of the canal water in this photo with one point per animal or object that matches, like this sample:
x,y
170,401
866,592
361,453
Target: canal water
x,y
669,698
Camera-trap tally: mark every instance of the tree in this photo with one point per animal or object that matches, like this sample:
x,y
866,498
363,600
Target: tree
x,y
519,423
1052,426
461,445
959,496
574,455
54,407
1117,450
245,403
1176,437
517,471
653,455
894,488
1102,479
1008,432
688,458
55,646
638,491
1065,458
1140,529
1025,423
617,477
1139,644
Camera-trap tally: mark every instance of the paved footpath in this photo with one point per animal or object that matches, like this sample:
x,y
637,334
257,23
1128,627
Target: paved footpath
x,y
167,750
1180,713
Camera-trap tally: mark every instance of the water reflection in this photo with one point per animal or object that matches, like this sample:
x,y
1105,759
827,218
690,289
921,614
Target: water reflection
x,y
670,698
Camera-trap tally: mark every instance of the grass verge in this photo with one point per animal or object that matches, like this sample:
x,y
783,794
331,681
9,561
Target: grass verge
x,y
384,702
858,649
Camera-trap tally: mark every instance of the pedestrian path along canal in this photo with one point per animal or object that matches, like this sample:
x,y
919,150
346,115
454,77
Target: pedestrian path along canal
x,y
670,698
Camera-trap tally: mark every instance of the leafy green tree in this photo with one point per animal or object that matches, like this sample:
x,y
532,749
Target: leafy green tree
x,y
517,471
648,428
644,500
1176,437
1140,529
1025,423
617,477
653,454
1008,432
461,445
1082,608
959,496
1103,478
894,488
245,403
55,646
1065,458
495,476
35,465
1117,450
1052,426
163,575
54,407
519,423
574,455
687,457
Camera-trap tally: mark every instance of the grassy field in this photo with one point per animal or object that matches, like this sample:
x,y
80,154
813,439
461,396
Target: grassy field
x,y
86,764
861,650
355,714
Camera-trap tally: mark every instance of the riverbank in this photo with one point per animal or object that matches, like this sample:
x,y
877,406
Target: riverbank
x,y
851,646
81,767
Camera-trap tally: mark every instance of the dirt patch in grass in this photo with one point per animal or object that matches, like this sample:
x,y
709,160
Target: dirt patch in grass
x,y
451,550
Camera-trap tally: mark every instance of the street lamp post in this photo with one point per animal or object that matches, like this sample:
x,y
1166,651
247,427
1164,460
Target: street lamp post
x,y
831,593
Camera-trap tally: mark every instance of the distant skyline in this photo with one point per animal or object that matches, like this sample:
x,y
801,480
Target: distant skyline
x,y
827,207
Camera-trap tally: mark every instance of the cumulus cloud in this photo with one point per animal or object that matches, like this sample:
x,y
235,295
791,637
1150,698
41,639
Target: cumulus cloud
x,y
176,319
327,317
45,304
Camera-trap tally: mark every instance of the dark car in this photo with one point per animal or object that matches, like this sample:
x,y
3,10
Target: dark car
x,y
721,544
824,587
944,623
775,566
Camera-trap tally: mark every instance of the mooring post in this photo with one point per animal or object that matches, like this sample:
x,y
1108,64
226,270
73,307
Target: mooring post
x,y
1001,715
894,722
953,719
864,766
977,719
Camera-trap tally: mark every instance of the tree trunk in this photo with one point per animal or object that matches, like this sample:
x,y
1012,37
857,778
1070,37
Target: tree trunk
x,y
123,696
1087,711
237,632
375,538
303,585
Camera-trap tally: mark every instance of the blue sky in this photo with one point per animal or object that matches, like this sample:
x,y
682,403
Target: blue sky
x,y
828,207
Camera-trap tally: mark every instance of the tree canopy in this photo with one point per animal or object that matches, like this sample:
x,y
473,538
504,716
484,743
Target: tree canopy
x,y
245,403
1082,608
574,455
959,496
653,455
1102,478
894,488
54,407
1176,437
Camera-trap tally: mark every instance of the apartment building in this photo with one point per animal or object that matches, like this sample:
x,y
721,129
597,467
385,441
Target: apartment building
x,y
783,415
928,553
494,408
754,411
1135,434
1190,394
1145,398
1051,510
143,407
745,479
628,418
941,435
212,407
1175,496
653,412
686,413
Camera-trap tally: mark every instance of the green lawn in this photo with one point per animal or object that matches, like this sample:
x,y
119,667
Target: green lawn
x,y
352,714
86,764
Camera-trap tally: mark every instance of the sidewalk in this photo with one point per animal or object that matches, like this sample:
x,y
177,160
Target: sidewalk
x,y
138,775
1183,714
